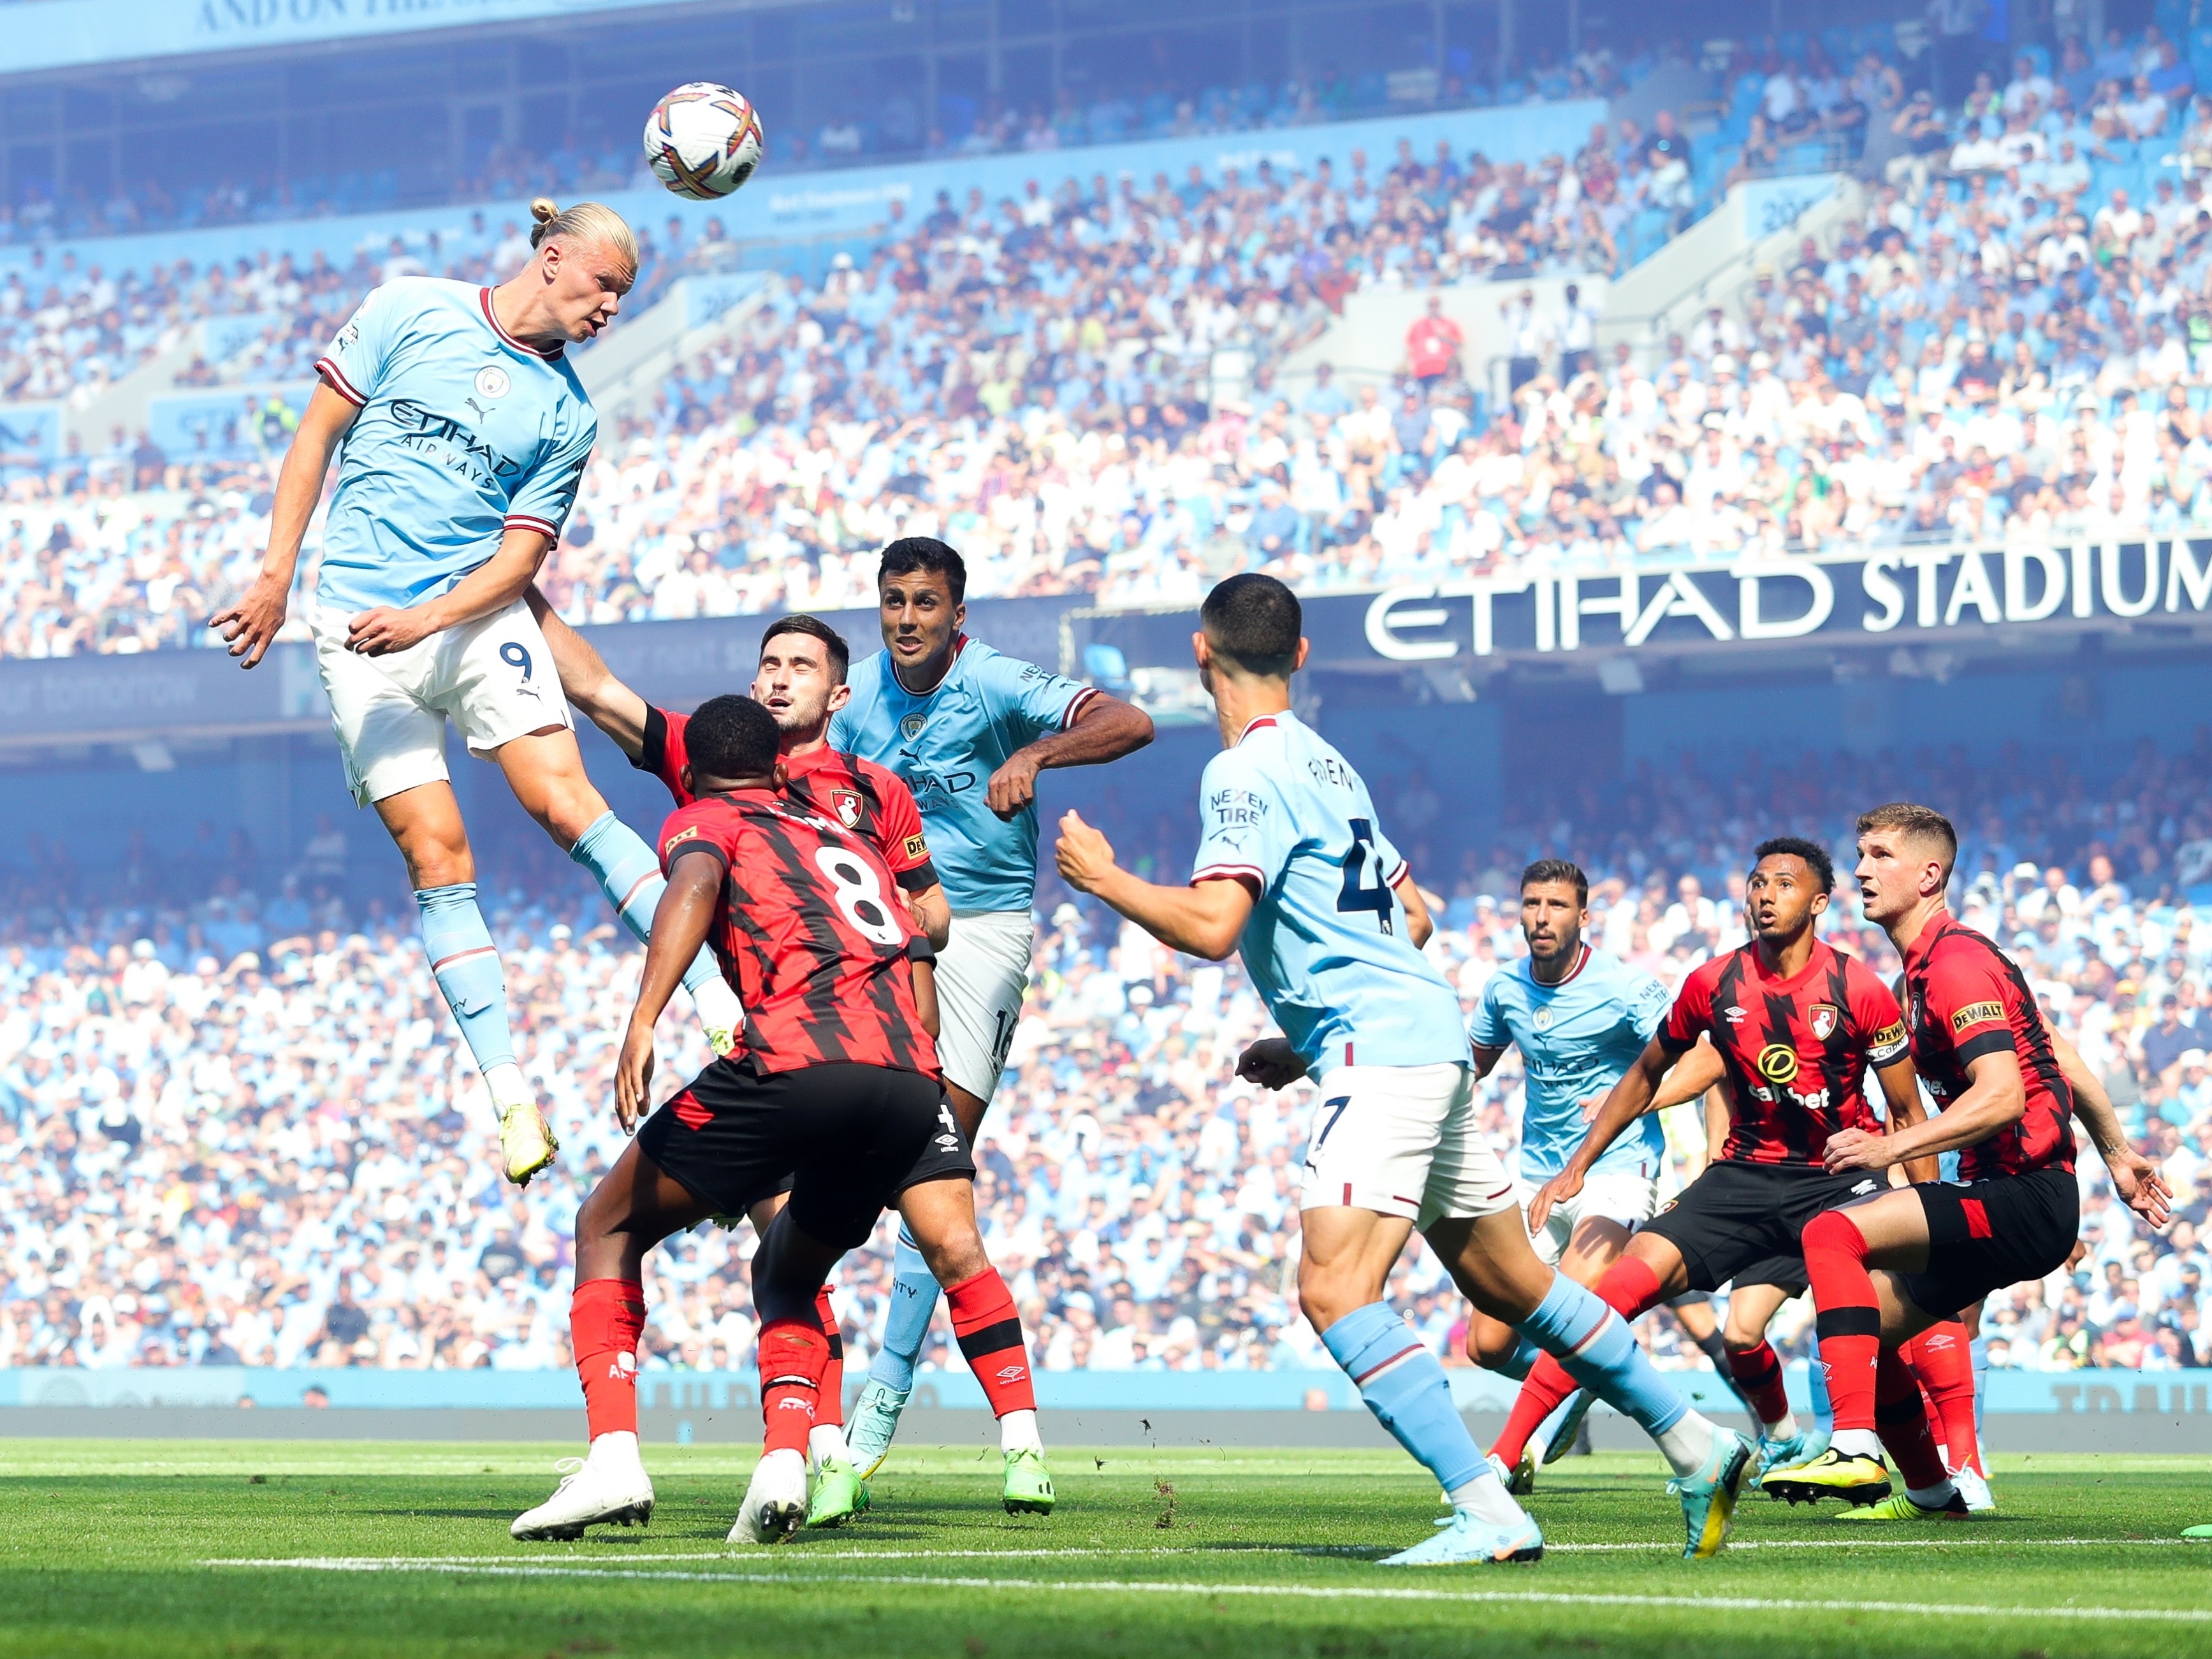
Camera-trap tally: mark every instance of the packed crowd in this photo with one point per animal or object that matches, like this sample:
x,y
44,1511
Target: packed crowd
x,y
1042,380
239,1133
872,131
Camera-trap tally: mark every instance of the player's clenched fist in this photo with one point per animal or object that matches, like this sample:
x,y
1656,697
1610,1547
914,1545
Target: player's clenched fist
x,y
1272,1063
1083,854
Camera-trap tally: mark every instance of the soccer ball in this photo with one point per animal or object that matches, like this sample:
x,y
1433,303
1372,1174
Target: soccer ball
x,y
703,141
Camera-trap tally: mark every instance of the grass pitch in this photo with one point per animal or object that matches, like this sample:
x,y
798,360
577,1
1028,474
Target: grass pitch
x,y
260,1548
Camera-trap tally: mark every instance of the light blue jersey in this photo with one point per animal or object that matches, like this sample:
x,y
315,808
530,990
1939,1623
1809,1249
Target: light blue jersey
x,y
1325,944
945,744
464,431
1576,1039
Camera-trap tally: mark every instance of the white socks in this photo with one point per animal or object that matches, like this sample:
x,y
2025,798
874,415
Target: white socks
x,y
825,1443
616,1446
1856,1442
1687,1445
717,1005
1785,1430
1018,1432
1932,1498
1485,1498
503,1082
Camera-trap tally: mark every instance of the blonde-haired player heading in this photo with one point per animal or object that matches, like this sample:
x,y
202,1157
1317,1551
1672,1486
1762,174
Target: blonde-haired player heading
x,y
461,431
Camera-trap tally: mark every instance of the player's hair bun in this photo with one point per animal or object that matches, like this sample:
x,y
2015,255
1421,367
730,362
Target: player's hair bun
x,y
586,222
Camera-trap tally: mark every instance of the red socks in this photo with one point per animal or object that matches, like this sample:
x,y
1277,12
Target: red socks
x,y
1629,1288
1850,1321
829,1412
1758,1373
989,1332
1941,1357
793,1354
606,1316
1902,1418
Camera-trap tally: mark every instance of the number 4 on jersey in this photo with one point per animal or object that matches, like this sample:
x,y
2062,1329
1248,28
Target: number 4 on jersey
x,y
1357,895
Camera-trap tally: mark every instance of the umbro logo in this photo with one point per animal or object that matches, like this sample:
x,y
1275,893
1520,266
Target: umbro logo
x,y
1733,1014
1863,1188
1013,1373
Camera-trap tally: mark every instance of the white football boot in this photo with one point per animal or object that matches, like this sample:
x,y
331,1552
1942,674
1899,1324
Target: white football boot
x,y
775,1502
1980,1500
610,1484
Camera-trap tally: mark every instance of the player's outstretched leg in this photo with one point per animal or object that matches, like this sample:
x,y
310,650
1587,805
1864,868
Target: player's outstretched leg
x,y
891,1374
839,1493
1405,1386
609,1483
1590,1341
466,964
630,876
1757,1372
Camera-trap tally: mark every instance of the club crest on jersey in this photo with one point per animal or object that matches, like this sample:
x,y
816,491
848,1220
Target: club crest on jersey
x,y
1825,1016
1778,1063
910,727
492,381
1541,1019
846,804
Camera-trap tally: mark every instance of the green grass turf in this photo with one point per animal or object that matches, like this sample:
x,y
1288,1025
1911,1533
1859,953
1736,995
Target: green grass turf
x,y
107,1545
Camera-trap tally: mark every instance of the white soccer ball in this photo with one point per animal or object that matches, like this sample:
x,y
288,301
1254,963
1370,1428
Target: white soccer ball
x,y
703,140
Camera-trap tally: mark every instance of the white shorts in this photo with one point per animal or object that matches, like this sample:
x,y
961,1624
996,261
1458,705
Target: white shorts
x,y
982,974
493,677
1402,1140
1623,1195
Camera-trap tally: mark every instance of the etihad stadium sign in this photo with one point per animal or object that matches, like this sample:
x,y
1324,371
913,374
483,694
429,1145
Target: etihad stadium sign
x,y
1865,596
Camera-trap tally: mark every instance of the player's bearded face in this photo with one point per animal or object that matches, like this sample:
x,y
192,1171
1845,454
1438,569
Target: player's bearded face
x,y
795,690
1551,920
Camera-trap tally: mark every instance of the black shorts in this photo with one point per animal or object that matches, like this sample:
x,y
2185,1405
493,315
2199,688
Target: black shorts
x,y
1985,1235
848,1137
1739,1223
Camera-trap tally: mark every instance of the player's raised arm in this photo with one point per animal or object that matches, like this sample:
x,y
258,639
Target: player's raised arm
x,y
1205,919
679,928
1100,728
1631,1098
588,683
2139,1181
250,627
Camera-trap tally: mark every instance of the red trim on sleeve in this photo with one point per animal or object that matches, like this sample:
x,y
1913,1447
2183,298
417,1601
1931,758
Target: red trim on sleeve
x,y
1250,874
334,377
1076,705
1397,875
532,521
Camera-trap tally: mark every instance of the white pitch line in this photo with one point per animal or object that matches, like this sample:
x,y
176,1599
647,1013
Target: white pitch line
x,y
366,1563
1699,1604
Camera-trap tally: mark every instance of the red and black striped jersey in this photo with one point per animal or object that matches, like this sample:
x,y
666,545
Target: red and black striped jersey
x,y
871,801
1964,998
1796,1049
809,934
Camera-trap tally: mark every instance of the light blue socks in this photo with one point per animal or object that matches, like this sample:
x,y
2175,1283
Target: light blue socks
x,y
629,875
466,964
1596,1348
1404,1387
914,1300
1824,1414
1518,1364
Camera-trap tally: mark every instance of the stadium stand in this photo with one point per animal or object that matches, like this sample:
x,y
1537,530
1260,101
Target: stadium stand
x,y
257,1140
